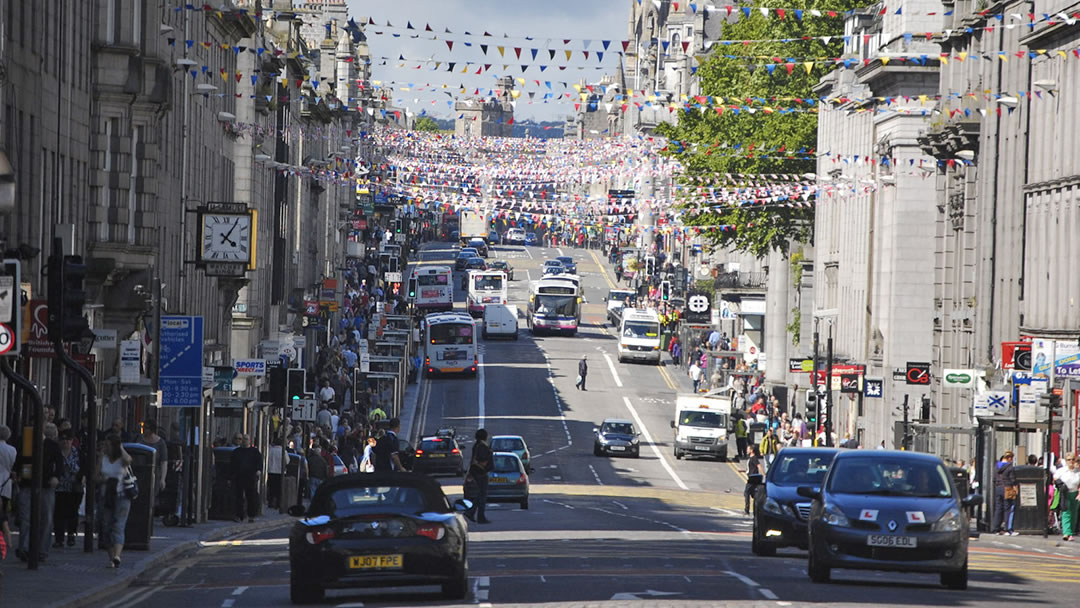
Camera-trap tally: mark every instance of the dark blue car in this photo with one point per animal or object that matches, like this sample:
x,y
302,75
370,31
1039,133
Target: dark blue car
x,y
616,436
780,514
885,510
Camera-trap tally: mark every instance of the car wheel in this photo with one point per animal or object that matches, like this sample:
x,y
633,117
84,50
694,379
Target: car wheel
x,y
596,450
637,453
723,457
525,503
758,546
678,454
817,572
515,335
457,588
956,580
304,594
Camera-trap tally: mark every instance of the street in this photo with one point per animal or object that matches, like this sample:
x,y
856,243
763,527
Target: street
x,y
647,531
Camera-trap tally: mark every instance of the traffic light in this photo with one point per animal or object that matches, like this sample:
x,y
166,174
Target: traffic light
x,y
279,380
397,226
11,303
924,411
296,384
665,290
1055,405
67,297
650,266
412,288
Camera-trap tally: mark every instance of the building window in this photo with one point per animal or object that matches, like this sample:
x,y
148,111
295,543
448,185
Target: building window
x,y
111,9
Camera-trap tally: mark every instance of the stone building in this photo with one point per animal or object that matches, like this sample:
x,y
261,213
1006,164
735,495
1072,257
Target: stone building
x,y
598,114
873,238
491,116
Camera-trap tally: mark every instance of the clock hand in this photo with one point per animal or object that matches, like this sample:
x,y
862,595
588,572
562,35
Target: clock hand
x,y
229,233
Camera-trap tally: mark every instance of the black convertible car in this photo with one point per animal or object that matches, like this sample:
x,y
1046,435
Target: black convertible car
x,y
378,530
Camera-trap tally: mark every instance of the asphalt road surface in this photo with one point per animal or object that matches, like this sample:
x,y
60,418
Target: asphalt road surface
x,y
648,531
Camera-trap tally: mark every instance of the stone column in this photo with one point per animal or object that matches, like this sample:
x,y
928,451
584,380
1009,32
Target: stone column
x,y
777,305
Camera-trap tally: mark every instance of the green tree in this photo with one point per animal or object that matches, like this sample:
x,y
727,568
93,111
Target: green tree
x,y
426,123
760,229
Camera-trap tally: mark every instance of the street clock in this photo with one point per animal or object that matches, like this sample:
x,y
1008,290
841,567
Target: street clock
x,y
226,239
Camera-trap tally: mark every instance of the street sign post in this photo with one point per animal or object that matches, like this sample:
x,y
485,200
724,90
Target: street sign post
x,y
303,409
181,361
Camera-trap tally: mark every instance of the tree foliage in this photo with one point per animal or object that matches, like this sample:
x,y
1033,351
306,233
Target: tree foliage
x,y
759,229
426,123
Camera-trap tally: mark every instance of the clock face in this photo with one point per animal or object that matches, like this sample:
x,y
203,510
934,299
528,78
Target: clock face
x,y
226,238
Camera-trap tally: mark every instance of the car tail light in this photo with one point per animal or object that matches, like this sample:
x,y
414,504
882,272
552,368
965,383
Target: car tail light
x,y
522,479
455,451
317,536
419,452
432,531
427,360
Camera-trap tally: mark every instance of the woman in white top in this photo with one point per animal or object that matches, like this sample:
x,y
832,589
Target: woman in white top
x,y
1069,476
7,463
367,464
114,505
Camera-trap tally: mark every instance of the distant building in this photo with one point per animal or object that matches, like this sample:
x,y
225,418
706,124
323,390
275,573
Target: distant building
x,y
599,112
316,15
478,117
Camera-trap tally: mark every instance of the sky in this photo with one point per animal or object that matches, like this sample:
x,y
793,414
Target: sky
x,y
547,22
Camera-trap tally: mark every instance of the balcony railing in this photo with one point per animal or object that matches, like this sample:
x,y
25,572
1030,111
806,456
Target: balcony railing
x,y
740,280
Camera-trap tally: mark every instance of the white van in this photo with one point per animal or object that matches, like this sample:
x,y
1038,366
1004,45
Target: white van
x,y
639,335
500,320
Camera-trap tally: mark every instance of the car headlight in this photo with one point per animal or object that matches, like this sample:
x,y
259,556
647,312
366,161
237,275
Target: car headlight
x,y
601,438
771,506
835,517
634,440
951,521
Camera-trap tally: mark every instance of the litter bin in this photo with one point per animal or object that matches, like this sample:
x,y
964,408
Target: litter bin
x,y
665,340
755,434
221,495
961,480
140,522
1031,504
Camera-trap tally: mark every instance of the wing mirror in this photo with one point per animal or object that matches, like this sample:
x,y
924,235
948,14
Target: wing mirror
x,y
596,429
462,505
808,492
971,500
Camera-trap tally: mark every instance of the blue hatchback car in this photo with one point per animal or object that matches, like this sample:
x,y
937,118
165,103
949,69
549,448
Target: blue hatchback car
x,y
530,238
886,510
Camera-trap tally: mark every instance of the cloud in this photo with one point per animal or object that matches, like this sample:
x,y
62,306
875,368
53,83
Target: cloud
x,y
549,20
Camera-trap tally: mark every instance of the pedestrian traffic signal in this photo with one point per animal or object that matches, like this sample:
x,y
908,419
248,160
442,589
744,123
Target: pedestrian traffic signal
x,y
665,290
297,382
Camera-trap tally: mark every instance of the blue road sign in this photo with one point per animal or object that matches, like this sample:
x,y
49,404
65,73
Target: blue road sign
x,y
181,361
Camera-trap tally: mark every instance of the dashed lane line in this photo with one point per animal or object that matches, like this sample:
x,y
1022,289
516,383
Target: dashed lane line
x,y
648,437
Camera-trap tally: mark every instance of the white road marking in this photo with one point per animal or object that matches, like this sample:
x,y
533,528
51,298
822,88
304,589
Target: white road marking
x,y
749,582
620,505
351,605
542,579
687,578
614,373
239,590
596,475
767,593
559,249
529,252
227,603
656,450
481,396
561,504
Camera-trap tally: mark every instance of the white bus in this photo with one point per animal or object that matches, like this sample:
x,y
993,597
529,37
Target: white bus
x,y
485,287
434,288
639,335
555,305
450,344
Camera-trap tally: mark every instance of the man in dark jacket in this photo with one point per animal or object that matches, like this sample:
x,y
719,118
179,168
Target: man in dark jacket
x,y
246,464
477,477
52,471
1006,492
582,372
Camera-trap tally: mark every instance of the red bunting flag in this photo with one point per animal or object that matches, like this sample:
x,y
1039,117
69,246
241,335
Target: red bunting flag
x,y
450,44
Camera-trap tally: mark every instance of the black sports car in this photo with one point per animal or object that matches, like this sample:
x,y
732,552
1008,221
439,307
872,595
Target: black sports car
x,y
378,530
780,514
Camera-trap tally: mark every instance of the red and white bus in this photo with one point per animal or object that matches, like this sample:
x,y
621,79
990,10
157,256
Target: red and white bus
x,y
434,288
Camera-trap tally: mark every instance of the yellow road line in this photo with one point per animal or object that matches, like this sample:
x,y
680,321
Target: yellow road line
x,y
603,271
738,471
667,378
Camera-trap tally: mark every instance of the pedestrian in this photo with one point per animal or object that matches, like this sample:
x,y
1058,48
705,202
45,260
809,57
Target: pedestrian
x,y
277,462
246,464
476,480
322,417
1067,481
53,469
7,468
755,473
695,375
5,536
326,394
318,470
387,452
367,463
582,373
1006,491
161,451
770,445
742,428
69,493
113,502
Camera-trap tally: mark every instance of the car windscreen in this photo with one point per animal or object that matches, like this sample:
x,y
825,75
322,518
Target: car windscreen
x,y
351,501
622,296
498,264
640,329
506,464
890,477
622,428
507,444
703,419
436,445
799,469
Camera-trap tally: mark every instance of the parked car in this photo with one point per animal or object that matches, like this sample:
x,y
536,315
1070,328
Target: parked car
x,y
568,263
438,455
504,266
616,436
512,443
508,481
886,510
378,530
530,238
780,514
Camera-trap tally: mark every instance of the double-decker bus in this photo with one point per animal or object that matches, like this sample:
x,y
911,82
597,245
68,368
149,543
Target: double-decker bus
x,y
450,343
555,304
485,287
434,288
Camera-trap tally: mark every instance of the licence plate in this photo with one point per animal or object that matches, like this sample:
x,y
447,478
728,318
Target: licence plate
x,y
617,448
362,562
884,540
437,455
701,448
500,480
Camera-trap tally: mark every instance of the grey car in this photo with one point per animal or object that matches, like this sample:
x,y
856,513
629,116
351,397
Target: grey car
x,y
886,510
